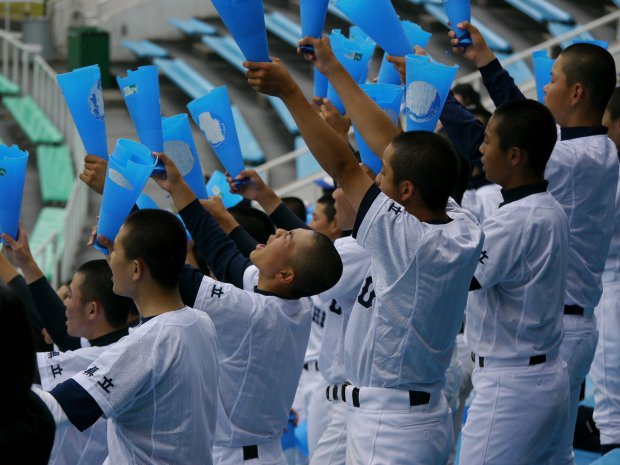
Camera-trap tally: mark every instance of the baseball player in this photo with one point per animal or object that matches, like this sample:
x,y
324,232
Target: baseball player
x,y
262,302
583,176
158,385
400,336
605,370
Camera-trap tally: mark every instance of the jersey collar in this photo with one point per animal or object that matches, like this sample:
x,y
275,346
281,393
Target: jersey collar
x,y
271,294
109,338
582,131
512,195
476,182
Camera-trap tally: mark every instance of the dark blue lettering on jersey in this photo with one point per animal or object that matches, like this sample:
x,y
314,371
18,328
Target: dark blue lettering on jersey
x,y
91,371
217,291
367,295
318,315
53,354
483,257
334,307
106,384
395,208
56,370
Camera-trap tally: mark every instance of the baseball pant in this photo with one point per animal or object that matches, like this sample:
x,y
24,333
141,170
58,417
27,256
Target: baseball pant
x,y
605,370
331,448
577,350
465,388
386,430
518,413
269,453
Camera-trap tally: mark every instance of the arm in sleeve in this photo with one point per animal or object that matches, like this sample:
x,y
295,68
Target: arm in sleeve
x,y
463,129
284,218
244,240
500,84
52,312
220,251
19,286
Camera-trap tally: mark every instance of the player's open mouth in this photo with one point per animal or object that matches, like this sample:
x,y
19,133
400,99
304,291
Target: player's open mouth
x,y
261,246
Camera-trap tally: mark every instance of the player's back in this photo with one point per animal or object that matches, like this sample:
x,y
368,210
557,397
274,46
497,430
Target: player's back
x,y
583,176
403,337
159,390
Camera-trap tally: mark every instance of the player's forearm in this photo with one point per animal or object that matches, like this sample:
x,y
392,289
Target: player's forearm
x,y
499,83
31,270
268,200
7,271
463,129
329,149
182,195
374,125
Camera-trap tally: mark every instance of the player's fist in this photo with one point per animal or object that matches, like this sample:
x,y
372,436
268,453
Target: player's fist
x,y
94,172
170,177
331,115
270,78
323,56
19,250
478,52
252,186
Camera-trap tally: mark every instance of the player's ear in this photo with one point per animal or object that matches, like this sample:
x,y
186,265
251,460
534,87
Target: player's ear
x,y
407,191
285,276
94,310
139,269
516,156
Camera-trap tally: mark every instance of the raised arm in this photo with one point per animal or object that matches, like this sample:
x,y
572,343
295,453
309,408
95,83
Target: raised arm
x,y
370,120
330,150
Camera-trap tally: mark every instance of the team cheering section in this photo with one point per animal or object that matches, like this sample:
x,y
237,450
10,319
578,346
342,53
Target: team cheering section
x,y
206,334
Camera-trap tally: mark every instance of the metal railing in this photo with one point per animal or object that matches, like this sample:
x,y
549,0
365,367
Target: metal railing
x,y
23,64
474,79
107,9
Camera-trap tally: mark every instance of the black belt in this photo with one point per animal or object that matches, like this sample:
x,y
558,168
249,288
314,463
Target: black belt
x,y
307,365
415,397
573,310
250,452
535,360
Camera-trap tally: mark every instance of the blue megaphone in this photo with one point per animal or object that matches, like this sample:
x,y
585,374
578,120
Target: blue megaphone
x,y
459,11
218,187
13,163
145,202
82,91
428,84
129,168
180,147
212,113
320,84
416,36
312,14
542,72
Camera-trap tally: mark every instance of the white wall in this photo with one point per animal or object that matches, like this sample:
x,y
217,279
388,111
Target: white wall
x,y
124,19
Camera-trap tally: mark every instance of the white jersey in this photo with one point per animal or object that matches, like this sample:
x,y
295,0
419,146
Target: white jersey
x,y
583,177
522,269
71,446
612,265
317,329
339,301
483,201
262,340
403,325
158,388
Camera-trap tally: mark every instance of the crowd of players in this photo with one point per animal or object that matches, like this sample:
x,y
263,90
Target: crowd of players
x,y
169,353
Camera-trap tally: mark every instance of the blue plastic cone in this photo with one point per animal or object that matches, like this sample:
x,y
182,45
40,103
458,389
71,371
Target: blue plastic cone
x,y
320,84
428,84
542,72
416,36
379,20
218,187
389,97
355,57
13,162
180,147
213,115
82,91
129,168
312,14
245,19
145,202
459,11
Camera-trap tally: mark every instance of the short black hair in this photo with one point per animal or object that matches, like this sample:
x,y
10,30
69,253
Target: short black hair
x,y
595,68
613,107
328,203
529,125
297,206
158,238
427,160
254,221
97,286
317,269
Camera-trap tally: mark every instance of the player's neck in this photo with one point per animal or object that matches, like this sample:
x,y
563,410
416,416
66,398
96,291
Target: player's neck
x,y
426,215
154,300
272,286
581,119
522,179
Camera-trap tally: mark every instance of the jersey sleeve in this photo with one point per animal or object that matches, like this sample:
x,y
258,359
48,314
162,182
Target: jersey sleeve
x,y
501,258
250,278
355,263
387,232
57,367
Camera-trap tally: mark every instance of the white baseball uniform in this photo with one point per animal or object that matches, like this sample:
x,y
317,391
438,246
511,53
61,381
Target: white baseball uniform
x,y
605,370
401,333
514,326
583,177
339,300
262,340
158,389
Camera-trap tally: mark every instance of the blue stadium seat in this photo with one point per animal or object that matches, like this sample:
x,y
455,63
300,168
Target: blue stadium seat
x,y
285,116
557,29
227,48
193,27
306,164
493,39
542,11
283,27
194,85
144,48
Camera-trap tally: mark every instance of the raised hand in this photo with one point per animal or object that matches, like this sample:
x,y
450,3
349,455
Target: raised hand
x,y
94,173
167,179
270,78
329,113
323,56
478,52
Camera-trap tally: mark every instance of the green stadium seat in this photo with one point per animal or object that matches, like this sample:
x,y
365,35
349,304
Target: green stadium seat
x,y
8,87
29,116
55,173
51,220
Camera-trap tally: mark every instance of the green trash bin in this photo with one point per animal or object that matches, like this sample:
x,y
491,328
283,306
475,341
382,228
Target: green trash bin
x,y
90,46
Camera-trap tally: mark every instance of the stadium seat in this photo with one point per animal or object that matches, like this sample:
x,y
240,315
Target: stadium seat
x,y
283,27
193,27
285,116
226,48
542,11
8,87
33,121
306,164
144,49
519,71
56,175
557,29
51,220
